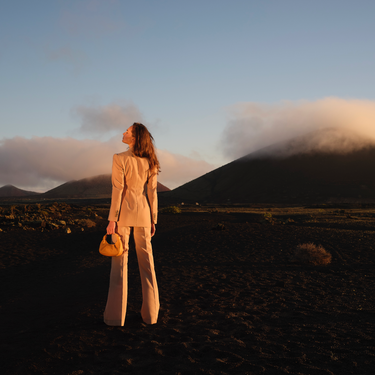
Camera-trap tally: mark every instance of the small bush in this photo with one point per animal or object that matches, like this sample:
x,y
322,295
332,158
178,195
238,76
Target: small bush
x,y
312,254
267,216
170,210
219,226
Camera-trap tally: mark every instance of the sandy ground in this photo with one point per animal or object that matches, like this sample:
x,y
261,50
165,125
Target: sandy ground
x,y
231,301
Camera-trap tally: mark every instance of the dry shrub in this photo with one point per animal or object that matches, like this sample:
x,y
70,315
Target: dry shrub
x,y
312,254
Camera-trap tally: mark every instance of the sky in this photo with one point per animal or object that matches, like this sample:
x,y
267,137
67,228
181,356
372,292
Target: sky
x,y
213,80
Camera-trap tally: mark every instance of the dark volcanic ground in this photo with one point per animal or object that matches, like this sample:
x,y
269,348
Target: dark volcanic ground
x,y
231,301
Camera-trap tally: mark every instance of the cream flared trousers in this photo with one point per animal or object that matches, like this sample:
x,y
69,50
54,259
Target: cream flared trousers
x,y
115,311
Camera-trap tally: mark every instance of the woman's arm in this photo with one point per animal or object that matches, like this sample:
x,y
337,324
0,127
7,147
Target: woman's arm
x,y
117,188
152,196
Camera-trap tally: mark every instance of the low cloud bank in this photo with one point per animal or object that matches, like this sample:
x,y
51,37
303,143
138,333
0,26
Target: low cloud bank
x,y
253,126
42,163
45,162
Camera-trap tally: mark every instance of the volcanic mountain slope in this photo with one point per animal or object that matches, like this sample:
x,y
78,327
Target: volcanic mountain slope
x,y
328,165
98,186
93,187
12,191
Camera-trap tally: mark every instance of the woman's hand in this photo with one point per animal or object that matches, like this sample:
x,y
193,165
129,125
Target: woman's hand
x,y
153,229
111,228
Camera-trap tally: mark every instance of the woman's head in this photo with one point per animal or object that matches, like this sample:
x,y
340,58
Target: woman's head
x,y
144,145
128,138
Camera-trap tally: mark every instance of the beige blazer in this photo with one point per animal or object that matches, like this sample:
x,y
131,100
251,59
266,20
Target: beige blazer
x,y
134,191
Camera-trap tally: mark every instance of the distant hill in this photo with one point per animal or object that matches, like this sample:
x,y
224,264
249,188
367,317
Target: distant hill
x,y
309,169
12,191
93,187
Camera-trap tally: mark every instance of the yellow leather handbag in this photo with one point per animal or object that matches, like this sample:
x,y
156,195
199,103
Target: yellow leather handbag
x,y
111,245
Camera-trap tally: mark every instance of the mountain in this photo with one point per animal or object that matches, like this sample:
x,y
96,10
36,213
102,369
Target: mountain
x,y
162,188
93,187
328,165
12,191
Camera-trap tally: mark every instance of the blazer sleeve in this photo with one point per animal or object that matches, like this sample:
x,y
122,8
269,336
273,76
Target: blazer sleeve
x,y
152,195
117,188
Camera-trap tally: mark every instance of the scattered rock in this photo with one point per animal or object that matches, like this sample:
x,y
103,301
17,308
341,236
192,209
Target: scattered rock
x,y
219,226
87,223
49,216
52,226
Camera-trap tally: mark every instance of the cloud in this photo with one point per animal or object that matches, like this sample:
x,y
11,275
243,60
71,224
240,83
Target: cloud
x,y
177,169
103,119
45,162
42,163
253,126
92,18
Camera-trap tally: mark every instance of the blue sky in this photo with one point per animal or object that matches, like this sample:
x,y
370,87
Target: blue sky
x,y
70,68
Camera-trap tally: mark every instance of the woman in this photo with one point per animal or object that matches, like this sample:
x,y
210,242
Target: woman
x,y
134,205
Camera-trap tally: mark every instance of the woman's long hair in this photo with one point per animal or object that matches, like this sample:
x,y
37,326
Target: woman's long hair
x,y
144,146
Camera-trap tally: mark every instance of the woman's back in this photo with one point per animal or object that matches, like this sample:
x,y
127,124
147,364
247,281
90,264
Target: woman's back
x,y
135,202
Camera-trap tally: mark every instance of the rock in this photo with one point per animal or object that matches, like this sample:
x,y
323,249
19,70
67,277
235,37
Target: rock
x,y
219,226
87,223
62,222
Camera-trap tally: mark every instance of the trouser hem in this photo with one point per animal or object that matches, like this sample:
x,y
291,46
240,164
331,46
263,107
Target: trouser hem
x,y
113,323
